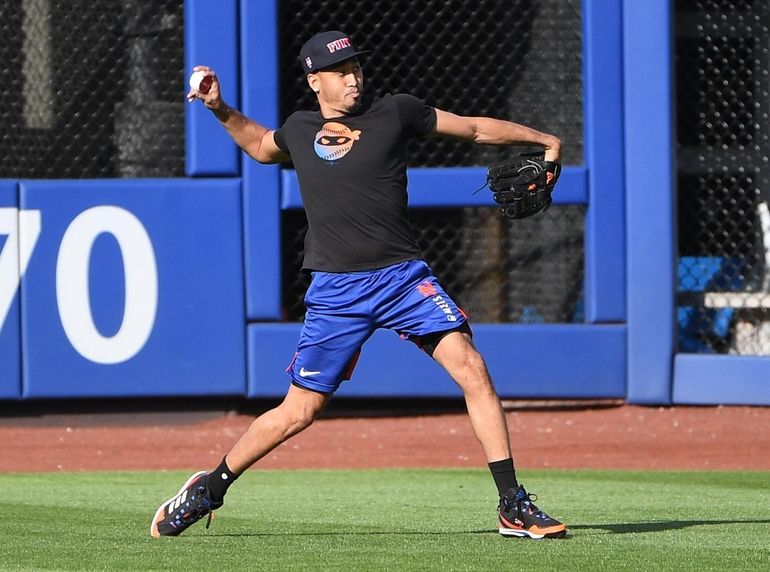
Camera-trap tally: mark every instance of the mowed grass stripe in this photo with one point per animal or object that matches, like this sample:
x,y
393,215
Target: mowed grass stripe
x,y
389,520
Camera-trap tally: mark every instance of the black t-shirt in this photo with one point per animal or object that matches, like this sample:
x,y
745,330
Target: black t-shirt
x,y
352,178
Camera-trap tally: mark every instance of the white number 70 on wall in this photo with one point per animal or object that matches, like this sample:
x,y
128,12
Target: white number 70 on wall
x,y
23,229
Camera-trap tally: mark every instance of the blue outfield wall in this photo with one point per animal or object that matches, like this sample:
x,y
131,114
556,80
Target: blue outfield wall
x,y
562,360
173,287
134,288
10,343
559,373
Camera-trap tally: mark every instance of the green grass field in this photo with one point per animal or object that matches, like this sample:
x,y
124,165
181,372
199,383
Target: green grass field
x,y
390,520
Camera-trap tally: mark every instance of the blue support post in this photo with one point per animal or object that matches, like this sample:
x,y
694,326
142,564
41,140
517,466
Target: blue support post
x,y
648,57
261,183
605,261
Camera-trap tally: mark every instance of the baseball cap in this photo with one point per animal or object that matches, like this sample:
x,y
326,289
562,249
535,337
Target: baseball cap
x,y
326,49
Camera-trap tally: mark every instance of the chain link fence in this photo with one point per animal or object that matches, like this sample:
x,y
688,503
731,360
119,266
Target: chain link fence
x,y
517,60
91,88
723,164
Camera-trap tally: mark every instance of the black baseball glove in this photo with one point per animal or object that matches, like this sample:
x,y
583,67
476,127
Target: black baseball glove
x,y
522,186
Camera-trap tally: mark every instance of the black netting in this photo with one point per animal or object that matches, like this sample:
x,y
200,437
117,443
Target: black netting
x,y
499,59
517,60
481,261
723,136
92,88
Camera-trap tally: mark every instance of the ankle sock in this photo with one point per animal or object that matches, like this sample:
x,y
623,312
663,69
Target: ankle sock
x,y
504,475
219,480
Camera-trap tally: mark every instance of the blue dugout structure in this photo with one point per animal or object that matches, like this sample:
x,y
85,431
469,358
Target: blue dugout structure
x,y
173,287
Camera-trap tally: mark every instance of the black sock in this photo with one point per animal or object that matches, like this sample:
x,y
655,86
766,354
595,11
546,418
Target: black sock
x,y
504,475
219,480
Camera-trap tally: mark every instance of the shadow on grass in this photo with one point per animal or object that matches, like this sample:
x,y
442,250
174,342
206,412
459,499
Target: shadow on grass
x,y
361,533
660,525
619,528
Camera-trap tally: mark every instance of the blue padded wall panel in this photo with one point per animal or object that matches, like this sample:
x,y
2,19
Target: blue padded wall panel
x,y
262,241
718,379
88,325
559,362
10,349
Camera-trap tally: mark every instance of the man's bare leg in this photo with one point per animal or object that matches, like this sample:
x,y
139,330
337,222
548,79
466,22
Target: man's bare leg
x,y
517,514
458,356
204,492
297,411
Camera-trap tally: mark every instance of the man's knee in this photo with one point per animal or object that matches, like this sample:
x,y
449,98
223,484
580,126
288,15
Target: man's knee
x,y
475,361
299,418
301,407
458,353
475,377
461,359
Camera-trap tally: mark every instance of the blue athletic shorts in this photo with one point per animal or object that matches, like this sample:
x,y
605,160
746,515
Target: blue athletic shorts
x,y
344,309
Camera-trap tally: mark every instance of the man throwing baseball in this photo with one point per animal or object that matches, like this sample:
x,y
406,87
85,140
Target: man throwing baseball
x,y
367,270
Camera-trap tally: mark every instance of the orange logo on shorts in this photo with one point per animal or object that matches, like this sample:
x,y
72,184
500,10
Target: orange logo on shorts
x,y
426,289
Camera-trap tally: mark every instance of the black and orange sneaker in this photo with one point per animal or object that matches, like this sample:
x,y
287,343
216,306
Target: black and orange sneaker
x,y
519,516
185,508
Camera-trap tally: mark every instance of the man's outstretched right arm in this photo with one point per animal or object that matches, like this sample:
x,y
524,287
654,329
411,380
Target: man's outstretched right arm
x,y
256,140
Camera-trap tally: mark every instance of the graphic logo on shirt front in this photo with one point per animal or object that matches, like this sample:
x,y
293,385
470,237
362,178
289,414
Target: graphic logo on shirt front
x,y
334,141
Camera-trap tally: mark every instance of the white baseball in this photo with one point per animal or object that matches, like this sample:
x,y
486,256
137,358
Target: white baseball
x,y
195,80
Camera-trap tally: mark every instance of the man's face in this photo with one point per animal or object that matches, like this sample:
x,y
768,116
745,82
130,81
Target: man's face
x,y
339,88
